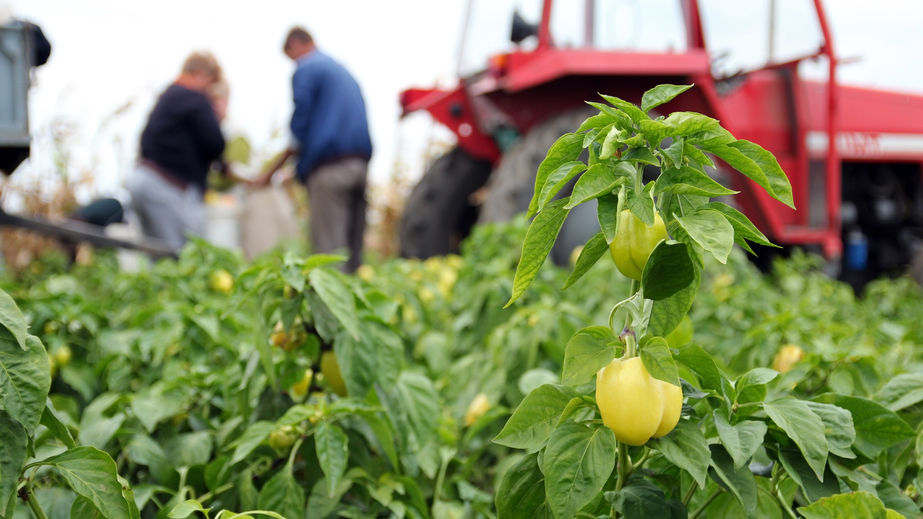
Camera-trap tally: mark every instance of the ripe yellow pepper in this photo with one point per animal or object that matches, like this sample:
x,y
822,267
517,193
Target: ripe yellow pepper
x,y
635,405
634,241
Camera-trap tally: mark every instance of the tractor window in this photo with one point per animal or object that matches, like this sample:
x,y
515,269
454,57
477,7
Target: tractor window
x,y
744,36
487,30
635,25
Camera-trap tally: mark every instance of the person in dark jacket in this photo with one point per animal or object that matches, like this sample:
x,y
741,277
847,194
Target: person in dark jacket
x,y
180,142
331,139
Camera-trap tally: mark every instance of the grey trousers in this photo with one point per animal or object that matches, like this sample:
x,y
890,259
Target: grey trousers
x,y
336,194
165,211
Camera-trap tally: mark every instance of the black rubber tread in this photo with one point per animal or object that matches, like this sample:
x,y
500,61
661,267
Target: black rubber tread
x,y
511,185
439,212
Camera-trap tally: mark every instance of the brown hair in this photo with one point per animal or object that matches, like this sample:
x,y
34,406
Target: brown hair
x,y
297,33
204,62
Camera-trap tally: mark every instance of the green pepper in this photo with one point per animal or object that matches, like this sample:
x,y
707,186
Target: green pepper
x,y
634,241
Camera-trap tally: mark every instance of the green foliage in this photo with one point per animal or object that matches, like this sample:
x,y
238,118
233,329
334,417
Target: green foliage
x,y
174,391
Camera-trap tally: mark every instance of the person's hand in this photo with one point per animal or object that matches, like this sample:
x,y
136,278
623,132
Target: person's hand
x,y
261,180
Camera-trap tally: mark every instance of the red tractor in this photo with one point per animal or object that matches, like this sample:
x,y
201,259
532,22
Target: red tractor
x,y
860,202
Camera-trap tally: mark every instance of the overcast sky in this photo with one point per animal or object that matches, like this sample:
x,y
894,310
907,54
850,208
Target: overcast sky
x,y
111,58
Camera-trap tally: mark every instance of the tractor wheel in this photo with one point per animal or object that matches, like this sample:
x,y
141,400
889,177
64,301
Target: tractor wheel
x,y
439,214
511,186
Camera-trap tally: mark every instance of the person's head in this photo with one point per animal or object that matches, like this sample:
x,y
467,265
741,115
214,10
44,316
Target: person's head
x,y
200,71
219,93
298,42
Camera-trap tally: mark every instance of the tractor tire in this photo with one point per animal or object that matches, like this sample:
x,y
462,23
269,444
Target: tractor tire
x,y
439,213
511,186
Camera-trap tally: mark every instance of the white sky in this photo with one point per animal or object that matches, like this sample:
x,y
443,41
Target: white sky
x,y
109,54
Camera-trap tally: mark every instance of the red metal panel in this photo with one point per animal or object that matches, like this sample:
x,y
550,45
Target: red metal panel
x,y
453,109
529,69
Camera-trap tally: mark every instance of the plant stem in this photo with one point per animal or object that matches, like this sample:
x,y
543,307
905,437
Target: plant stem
x,y
33,503
631,346
704,505
623,468
777,475
691,492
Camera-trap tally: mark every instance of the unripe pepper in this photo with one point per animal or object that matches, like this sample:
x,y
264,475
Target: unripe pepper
x,y
634,241
635,405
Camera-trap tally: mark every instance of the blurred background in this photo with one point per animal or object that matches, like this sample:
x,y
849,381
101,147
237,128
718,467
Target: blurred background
x,y
111,59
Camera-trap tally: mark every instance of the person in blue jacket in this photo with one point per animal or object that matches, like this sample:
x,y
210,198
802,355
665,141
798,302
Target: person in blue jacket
x,y
331,141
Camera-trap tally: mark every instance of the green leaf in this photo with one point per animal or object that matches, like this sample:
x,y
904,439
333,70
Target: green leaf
x,y
594,249
681,124
92,474
565,149
877,427
654,131
661,94
740,482
687,180
743,229
577,463
674,152
586,353
25,378
642,204
902,391
155,403
607,213
742,439
750,160
701,363
854,505
619,118
13,441
521,494
187,508
695,155
12,319
710,230
632,110
667,313
656,356
838,428
419,409
804,427
190,449
641,499
332,447
384,436
668,270
375,358
596,121
641,155
538,242
56,426
778,185
797,468
283,494
336,295
598,180
894,498
687,448
611,143
557,180
751,386
252,437
533,421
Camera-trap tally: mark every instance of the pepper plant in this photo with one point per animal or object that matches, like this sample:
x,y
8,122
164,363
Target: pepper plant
x,y
630,443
